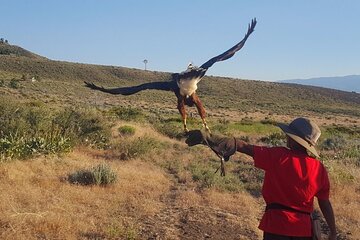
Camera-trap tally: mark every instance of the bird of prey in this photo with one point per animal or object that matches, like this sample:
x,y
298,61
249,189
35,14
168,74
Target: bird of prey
x,y
183,84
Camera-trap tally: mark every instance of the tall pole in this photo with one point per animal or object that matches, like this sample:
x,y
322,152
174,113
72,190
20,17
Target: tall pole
x,y
145,61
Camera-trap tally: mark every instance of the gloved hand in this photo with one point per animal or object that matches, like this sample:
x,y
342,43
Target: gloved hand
x,y
223,146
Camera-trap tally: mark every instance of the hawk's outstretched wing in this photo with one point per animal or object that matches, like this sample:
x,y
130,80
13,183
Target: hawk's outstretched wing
x,y
229,53
167,86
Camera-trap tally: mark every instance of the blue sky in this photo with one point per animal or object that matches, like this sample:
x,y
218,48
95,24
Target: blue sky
x,y
293,39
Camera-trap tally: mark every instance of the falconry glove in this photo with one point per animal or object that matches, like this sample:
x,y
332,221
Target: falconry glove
x,y
224,147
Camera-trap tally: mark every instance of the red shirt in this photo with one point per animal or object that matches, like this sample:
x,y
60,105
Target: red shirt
x,y
292,179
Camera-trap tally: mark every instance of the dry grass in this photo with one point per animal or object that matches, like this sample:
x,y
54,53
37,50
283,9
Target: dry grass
x,y
40,203
346,203
155,193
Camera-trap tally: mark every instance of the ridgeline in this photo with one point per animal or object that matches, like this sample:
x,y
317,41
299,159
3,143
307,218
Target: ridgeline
x,y
62,82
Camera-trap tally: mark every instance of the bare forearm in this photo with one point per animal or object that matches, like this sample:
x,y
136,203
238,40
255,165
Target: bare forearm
x,y
244,147
328,213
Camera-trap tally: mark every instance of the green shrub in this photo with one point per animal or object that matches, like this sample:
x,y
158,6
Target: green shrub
x,y
138,147
204,174
82,177
126,130
98,175
122,232
103,175
49,144
224,121
250,177
172,166
353,152
20,147
341,130
13,147
131,233
250,127
274,139
14,83
83,127
247,121
340,174
170,129
28,129
222,128
334,143
127,114
269,121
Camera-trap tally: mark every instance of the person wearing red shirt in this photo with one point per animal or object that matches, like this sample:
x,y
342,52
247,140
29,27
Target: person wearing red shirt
x,y
293,177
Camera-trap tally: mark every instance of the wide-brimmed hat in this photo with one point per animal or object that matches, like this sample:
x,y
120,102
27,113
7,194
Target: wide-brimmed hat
x,y
303,131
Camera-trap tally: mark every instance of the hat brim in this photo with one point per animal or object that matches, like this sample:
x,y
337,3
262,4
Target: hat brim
x,y
297,139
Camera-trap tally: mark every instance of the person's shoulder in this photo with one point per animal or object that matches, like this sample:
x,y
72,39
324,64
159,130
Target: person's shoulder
x,y
314,160
316,164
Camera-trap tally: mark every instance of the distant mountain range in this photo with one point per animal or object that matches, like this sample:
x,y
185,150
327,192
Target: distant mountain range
x,y
349,83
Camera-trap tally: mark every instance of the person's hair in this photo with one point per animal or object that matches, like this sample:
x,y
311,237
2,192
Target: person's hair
x,y
292,144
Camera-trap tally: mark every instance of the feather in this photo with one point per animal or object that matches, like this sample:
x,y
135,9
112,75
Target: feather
x,y
229,53
167,86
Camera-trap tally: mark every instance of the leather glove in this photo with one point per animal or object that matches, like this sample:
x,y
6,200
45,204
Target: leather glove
x,y
224,147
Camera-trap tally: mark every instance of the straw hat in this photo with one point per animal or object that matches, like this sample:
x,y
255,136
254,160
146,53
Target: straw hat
x,y
303,131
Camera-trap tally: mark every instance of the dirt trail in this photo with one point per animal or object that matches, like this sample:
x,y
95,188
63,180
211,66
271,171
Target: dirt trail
x,y
193,222
175,222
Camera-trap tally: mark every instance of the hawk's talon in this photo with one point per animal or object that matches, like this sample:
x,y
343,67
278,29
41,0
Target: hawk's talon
x,y
207,129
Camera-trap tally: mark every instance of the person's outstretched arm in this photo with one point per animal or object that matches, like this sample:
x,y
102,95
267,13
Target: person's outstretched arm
x,y
222,145
244,147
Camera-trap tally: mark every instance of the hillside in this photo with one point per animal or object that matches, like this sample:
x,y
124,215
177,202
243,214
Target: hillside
x,y
349,83
56,135
13,50
63,82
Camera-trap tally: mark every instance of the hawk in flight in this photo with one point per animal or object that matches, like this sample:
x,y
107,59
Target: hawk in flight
x,y
183,84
